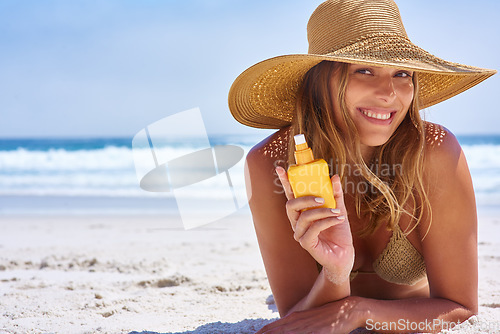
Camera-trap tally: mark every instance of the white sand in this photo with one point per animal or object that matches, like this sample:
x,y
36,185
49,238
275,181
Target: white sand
x,y
81,274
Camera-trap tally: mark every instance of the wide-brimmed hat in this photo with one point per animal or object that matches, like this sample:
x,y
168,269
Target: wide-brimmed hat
x,y
351,31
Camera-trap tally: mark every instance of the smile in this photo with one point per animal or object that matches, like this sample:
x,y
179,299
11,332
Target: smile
x,y
382,117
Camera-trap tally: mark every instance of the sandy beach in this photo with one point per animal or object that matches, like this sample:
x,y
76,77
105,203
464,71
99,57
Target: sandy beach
x,y
146,274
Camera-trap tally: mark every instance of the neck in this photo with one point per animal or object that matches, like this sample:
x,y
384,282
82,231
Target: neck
x,y
367,152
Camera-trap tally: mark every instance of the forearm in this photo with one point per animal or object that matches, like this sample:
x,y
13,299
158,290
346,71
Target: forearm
x,y
410,315
323,292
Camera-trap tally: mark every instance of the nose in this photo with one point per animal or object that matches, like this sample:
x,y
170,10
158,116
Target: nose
x,y
386,90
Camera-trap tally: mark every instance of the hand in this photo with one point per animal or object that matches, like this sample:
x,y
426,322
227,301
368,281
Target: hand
x,y
325,233
342,316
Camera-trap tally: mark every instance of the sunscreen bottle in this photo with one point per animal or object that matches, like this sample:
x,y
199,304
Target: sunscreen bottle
x,y
310,177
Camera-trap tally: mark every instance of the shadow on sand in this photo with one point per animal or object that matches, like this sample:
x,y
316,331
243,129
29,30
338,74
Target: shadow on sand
x,y
247,326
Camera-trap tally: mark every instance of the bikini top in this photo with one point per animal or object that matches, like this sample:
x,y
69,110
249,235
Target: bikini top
x,y
399,262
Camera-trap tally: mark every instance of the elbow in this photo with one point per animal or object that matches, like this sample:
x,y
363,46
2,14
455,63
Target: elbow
x,y
464,312
472,311
455,311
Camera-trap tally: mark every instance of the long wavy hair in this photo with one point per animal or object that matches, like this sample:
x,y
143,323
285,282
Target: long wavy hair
x,y
385,187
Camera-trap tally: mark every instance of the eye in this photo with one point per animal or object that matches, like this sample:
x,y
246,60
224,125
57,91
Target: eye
x,y
404,74
364,71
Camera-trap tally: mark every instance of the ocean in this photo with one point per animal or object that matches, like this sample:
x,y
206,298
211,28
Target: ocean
x,y
99,175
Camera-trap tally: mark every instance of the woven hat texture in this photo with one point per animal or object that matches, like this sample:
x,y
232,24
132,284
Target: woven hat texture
x,y
367,32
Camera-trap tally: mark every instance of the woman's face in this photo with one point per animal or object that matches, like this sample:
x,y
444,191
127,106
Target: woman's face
x,y
377,100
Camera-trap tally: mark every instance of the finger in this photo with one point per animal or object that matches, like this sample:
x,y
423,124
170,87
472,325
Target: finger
x,y
288,324
282,175
272,327
309,217
296,206
310,238
338,193
305,202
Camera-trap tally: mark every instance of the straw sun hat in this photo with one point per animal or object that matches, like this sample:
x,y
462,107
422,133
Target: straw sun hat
x,y
351,31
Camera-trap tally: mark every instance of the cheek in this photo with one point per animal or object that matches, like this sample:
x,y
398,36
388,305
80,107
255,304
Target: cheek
x,y
337,114
405,94
352,95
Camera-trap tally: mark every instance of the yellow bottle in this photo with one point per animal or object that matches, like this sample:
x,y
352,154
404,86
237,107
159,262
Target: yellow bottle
x,y
310,177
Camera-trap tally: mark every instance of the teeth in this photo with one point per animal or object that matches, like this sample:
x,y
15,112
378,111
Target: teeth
x,y
376,116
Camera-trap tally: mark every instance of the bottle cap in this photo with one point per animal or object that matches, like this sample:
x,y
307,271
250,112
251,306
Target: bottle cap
x,y
299,139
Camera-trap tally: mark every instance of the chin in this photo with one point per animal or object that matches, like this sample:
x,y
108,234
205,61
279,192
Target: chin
x,y
374,140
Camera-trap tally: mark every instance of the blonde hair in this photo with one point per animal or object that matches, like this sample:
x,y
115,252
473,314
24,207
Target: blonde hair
x,y
393,179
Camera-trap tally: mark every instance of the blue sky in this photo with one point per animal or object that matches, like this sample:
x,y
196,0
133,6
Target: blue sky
x,y
109,67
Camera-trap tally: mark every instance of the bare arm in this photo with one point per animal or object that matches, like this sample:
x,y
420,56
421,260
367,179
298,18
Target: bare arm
x,y
450,252
449,248
292,271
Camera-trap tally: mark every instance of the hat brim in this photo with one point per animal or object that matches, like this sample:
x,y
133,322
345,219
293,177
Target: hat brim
x,y
263,96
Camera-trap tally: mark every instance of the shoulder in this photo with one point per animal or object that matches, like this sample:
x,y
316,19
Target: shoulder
x,y
441,149
446,176
270,152
260,175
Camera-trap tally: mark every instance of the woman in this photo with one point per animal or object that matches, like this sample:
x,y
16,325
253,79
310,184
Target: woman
x,y
398,253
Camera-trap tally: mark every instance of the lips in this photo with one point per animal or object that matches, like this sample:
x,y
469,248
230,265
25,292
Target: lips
x,y
378,115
